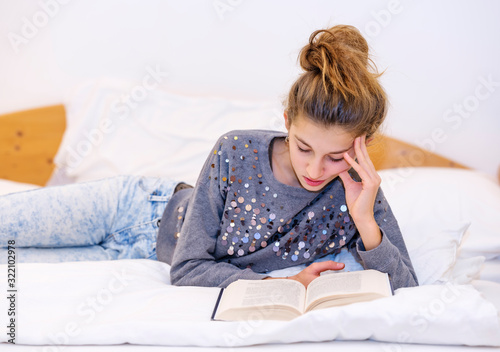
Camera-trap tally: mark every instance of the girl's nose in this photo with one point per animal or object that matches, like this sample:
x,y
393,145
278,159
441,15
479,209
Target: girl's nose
x,y
315,169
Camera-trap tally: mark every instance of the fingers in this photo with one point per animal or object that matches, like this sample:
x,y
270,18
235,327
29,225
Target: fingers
x,y
319,267
314,270
364,166
362,154
346,178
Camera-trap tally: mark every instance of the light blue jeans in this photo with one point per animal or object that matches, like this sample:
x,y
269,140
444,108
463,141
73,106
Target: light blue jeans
x,y
112,218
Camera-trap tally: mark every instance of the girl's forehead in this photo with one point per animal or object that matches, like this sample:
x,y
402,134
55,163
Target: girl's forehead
x,y
323,142
309,131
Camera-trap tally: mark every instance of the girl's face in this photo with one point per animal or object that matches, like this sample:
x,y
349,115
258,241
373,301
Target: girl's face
x,y
316,152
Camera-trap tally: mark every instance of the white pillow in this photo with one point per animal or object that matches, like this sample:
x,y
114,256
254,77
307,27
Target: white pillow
x,y
116,127
7,186
467,270
434,252
438,197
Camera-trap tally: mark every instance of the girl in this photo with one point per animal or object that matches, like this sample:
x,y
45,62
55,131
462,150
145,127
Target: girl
x,y
264,200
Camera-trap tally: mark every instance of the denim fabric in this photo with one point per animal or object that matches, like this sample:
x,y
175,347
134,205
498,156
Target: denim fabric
x,y
113,218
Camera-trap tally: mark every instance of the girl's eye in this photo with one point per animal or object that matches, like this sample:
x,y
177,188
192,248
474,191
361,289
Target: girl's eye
x,y
329,158
335,160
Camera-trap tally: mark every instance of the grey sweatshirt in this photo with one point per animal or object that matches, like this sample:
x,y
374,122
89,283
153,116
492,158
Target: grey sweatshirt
x,y
239,222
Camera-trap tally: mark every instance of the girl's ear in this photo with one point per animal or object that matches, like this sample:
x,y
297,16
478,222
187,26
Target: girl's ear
x,y
287,122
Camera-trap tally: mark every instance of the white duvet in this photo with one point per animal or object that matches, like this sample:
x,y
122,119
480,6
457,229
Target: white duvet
x,y
132,301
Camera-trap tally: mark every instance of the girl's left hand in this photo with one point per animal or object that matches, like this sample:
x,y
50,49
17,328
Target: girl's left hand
x,y
360,196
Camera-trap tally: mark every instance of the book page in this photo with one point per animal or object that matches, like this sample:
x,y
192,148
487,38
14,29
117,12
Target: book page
x,y
348,283
258,293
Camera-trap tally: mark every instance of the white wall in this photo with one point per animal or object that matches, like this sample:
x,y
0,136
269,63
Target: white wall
x,y
437,56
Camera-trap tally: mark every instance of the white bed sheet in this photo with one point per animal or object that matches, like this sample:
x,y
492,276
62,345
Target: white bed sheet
x,y
337,346
7,186
491,270
131,301
49,295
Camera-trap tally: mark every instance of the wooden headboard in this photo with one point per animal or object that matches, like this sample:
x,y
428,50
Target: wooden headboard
x,y
29,141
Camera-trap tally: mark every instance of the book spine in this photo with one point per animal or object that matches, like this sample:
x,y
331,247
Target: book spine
x,y
217,304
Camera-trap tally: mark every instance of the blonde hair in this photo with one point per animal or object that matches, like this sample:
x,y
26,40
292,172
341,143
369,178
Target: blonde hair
x,y
340,84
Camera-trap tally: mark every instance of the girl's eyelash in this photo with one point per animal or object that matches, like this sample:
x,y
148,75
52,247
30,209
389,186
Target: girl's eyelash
x,y
331,159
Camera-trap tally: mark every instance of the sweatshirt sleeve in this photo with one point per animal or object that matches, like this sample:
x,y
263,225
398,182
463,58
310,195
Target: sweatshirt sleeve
x,y
194,262
391,255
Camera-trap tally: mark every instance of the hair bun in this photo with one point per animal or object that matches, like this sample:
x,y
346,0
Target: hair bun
x,y
338,54
340,85
334,45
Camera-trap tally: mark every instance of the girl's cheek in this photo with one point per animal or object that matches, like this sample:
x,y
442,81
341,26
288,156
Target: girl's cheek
x,y
345,167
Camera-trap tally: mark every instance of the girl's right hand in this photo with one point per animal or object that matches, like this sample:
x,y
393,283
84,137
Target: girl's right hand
x,y
314,270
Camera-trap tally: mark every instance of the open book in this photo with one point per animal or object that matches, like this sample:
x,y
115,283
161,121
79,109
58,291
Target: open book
x,y
288,299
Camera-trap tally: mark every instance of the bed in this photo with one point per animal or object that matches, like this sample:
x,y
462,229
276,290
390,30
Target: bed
x,y
448,214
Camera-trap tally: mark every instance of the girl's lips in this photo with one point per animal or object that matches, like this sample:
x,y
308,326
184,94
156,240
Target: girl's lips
x,y
313,182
